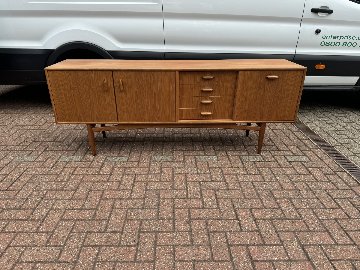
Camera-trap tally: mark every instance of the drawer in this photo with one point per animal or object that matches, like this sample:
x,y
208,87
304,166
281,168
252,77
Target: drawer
x,y
209,78
196,114
205,91
212,107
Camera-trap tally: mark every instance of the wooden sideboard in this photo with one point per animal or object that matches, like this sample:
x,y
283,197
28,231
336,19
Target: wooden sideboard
x,y
121,94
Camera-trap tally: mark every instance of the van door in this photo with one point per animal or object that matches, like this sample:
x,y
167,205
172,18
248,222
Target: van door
x,y
114,25
330,35
241,27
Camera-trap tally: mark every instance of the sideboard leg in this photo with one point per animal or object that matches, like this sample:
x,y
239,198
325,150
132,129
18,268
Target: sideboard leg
x,y
248,131
91,138
261,137
103,132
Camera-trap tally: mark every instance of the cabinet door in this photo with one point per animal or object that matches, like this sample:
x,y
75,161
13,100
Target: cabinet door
x,y
82,96
145,96
268,95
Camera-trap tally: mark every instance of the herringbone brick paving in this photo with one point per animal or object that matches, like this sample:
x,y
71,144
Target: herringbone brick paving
x,y
335,116
168,198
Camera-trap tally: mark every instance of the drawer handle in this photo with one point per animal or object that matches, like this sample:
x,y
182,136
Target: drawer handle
x,y
206,113
105,85
208,77
207,89
272,77
206,101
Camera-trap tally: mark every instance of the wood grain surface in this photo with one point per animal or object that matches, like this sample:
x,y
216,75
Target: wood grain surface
x,y
143,96
82,96
259,98
231,64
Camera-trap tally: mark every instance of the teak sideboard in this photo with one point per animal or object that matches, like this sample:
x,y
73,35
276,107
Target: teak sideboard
x,y
121,94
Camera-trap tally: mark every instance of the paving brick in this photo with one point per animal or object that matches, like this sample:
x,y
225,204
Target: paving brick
x,y
213,265
263,266
24,266
175,238
55,266
164,257
192,253
315,238
343,265
40,254
241,257
244,238
108,254
219,247
89,226
162,225
200,234
102,239
184,265
134,266
268,253
30,239
346,252
146,247
223,225
302,265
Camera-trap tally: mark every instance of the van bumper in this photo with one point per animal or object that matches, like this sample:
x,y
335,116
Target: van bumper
x,y
23,66
335,65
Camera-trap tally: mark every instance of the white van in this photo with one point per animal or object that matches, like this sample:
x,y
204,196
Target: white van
x,y
323,35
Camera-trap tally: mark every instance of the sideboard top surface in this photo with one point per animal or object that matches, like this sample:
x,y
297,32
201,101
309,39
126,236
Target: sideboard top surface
x,y
231,64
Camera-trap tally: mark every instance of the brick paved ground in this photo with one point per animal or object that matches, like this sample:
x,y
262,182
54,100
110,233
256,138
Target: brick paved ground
x,y
168,199
335,116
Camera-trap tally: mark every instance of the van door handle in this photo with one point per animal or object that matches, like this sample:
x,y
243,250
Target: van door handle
x,y
322,10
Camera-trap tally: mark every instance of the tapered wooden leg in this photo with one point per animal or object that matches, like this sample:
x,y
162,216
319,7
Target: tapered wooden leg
x,y
248,131
261,136
103,132
91,138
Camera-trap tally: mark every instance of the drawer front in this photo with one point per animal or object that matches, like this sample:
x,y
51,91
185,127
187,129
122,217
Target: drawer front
x,y
268,95
196,114
202,90
207,108
207,95
209,78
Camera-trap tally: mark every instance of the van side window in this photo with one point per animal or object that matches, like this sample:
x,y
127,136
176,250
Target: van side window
x,y
355,1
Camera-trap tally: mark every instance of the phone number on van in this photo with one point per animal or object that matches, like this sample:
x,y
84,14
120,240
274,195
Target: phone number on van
x,y
348,44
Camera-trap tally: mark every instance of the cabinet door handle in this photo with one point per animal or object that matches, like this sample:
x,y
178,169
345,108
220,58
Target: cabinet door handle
x,y
206,101
208,77
272,77
206,113
105,86
207,89
121,85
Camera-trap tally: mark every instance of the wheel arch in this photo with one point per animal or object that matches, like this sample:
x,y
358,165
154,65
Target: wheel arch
x,y
77,46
